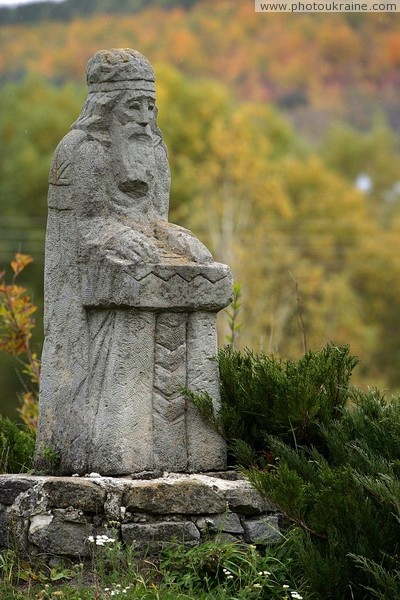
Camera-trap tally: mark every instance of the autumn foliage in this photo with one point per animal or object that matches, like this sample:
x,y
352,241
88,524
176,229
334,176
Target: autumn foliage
x,y
16,325
271,123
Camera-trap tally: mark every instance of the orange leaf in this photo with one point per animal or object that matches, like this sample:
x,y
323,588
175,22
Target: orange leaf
x,y
20,262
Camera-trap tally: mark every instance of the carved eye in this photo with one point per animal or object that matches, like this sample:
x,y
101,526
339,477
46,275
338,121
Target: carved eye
x,y
151,107
134,106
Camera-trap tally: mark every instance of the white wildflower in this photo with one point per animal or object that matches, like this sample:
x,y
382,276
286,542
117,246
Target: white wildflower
x,y
285,586
257,585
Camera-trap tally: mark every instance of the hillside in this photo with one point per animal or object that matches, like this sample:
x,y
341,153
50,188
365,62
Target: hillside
x,y
316,67
283,136
68,10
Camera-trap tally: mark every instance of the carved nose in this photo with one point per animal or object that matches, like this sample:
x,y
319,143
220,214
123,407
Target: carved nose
x,y
144,118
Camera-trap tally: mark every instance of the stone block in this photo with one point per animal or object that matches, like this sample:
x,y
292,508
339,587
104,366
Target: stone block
x,y
241,497
52,535
82,494
13,485
227,522
246,500
263,530
185,496
154,536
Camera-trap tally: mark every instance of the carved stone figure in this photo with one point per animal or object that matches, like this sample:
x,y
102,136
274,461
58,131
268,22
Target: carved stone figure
x,y
130,299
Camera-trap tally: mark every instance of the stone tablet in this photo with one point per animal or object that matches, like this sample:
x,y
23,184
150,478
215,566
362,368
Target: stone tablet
x,y
130,299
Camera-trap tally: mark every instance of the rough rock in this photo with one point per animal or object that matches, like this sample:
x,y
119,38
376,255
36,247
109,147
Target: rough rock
x,y
13,485
55,536
79,493
181,496
154,536
263,530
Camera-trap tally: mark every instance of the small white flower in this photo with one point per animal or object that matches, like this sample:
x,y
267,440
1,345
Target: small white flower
x,y
226,571
266,573
229,576
296,595
75,475
285,586
257,585
106,589
91,538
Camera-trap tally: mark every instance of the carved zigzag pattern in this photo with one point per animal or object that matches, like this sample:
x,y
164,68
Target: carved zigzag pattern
x,y
187,277
169,377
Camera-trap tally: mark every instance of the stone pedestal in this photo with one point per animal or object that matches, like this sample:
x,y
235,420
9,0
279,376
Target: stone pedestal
x,y
57,515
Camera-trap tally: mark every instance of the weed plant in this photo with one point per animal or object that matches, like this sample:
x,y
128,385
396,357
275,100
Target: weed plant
x,y
16,447
214,571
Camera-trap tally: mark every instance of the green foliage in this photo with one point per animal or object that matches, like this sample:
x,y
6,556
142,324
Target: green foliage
x,y
344,498
262,394
16,447
327,455
215,571
237,570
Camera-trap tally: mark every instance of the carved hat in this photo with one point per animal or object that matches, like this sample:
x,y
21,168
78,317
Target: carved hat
x,y
120,69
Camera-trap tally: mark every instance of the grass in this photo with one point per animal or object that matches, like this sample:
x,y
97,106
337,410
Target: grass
x,y
213,570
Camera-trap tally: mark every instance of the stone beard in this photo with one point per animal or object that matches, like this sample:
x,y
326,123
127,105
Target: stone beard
x,y
130,299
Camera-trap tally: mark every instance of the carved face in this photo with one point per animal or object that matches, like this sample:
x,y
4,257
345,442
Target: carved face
x,y
136,107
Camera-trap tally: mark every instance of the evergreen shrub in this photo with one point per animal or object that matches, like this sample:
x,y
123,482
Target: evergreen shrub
x,y
264,395
327,455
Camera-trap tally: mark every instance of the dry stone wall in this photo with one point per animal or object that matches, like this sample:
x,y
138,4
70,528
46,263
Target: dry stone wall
x,y
57,515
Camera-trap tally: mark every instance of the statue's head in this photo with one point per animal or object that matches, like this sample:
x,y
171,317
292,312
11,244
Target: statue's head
x,y
120,69
120,113
121,84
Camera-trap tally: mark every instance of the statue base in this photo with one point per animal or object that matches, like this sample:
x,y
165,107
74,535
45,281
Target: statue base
x,y
59,515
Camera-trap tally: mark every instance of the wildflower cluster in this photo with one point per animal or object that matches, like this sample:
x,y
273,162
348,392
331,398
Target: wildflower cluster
x,y
227,573
100,540
117,589
293,595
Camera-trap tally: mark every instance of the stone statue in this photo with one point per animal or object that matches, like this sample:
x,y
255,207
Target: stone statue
x,y
130,299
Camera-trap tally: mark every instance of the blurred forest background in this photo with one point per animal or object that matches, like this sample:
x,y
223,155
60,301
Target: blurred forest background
x,y
283,133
